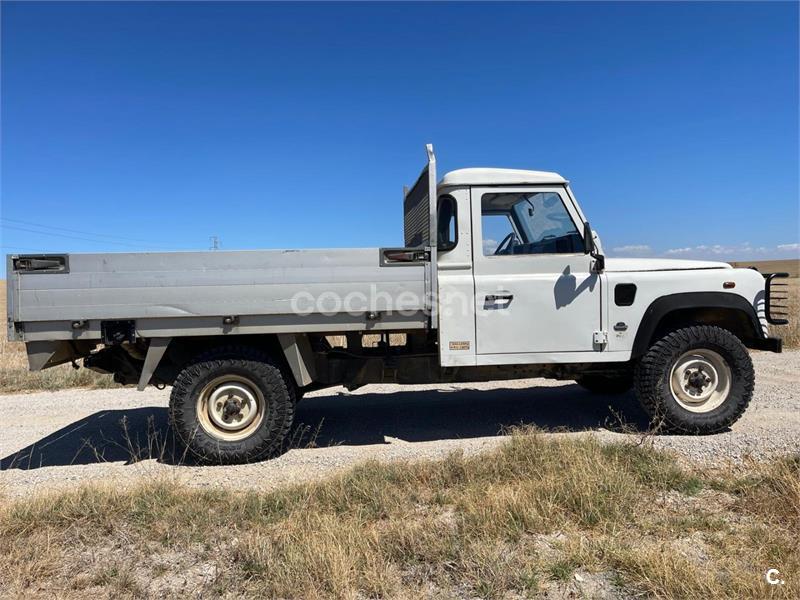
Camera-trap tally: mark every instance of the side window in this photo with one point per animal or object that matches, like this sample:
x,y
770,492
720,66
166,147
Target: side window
x,y
446,223
528,223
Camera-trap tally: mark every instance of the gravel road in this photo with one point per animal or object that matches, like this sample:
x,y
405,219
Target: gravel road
x,y
57,439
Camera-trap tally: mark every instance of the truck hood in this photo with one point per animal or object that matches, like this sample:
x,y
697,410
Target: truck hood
x,y
621,265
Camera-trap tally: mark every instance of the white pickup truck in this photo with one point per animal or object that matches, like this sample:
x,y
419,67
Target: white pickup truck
x,y
500,277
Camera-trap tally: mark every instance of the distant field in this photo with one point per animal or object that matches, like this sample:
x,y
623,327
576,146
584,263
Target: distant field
x,y
14,374
791,266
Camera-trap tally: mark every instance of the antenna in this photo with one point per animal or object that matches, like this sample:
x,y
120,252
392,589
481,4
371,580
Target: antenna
x,y
215,243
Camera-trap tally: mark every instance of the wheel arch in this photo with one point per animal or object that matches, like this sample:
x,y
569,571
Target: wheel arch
x,y
725,310
292,351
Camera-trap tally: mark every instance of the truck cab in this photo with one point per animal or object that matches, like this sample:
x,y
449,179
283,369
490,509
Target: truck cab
x,y
518,252
522,279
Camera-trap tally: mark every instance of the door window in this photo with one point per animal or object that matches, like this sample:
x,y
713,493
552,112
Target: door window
x,y
528,223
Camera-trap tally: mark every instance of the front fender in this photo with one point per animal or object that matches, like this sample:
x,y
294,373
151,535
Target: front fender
x,y
659,311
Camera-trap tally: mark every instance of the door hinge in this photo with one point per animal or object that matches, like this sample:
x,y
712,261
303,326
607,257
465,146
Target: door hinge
x,y
600,338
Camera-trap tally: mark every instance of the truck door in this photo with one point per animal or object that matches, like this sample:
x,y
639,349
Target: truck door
x,y
534,288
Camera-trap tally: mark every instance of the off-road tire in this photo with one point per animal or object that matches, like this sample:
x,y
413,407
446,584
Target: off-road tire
x,y
279,398
603,384
652,380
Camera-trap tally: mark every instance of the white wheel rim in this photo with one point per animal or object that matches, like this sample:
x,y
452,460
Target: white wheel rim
x,y
700,380
230,408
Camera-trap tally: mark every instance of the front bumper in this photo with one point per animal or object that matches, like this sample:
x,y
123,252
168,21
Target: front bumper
x,y
770,344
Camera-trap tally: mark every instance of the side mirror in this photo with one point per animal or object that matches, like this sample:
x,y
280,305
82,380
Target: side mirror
x,y
591,249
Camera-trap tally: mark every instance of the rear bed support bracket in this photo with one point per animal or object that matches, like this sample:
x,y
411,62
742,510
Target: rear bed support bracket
x,y
298,353
155,352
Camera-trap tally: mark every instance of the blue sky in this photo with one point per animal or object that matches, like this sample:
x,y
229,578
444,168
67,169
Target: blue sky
x,y
137,126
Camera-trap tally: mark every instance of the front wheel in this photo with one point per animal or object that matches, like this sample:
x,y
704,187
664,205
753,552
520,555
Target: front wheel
x,y
695,380
232,405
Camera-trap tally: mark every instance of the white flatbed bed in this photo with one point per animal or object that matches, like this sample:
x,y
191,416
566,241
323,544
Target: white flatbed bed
x,y
190,293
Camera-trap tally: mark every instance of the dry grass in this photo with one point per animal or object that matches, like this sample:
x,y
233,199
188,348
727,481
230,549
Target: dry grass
x,y
369,340
521,521
15,376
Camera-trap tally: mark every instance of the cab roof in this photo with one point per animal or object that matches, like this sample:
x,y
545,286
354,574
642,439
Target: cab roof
x,y
500,177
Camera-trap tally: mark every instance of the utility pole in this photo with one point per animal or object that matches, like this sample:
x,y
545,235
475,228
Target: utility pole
x,y
215,243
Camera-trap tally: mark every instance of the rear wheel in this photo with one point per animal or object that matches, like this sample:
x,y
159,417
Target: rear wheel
x,y
606,384
232,405
696,380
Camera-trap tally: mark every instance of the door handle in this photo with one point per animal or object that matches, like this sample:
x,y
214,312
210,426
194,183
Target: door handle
x,y
495,301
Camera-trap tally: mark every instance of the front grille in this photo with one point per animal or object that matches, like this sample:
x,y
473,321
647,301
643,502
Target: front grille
x,y
776,293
